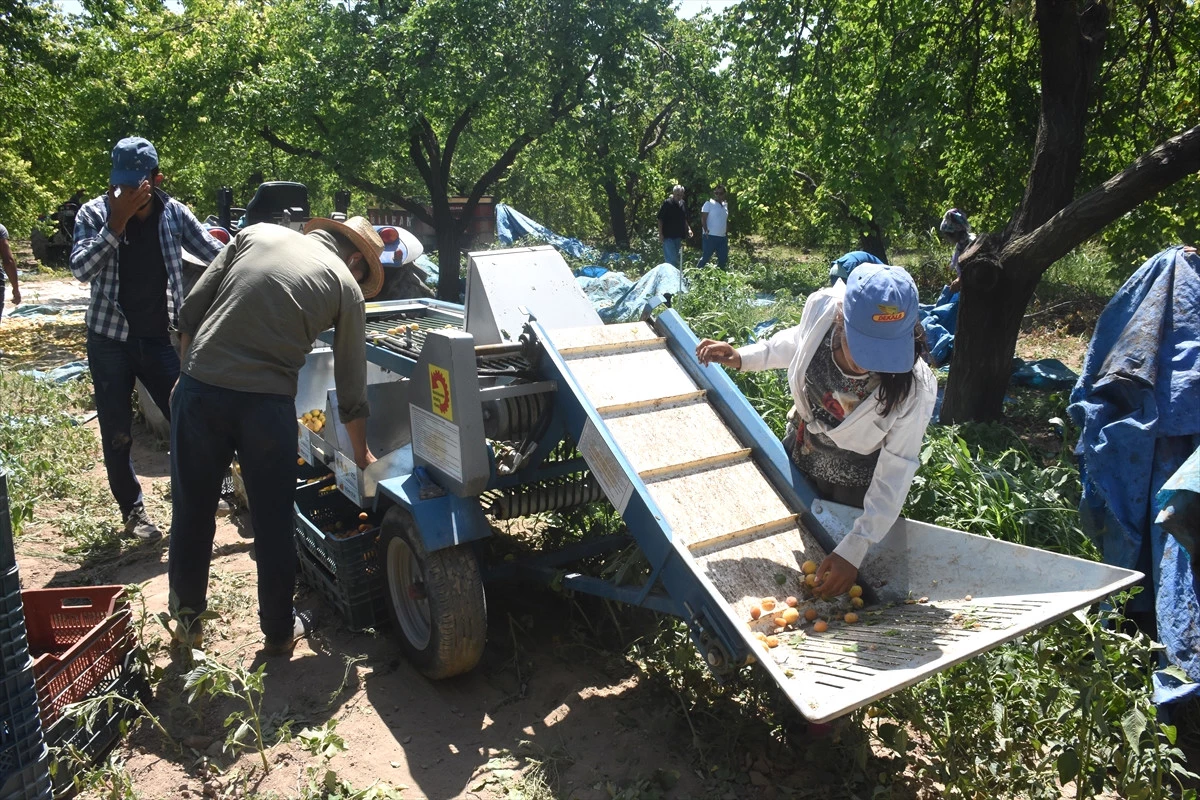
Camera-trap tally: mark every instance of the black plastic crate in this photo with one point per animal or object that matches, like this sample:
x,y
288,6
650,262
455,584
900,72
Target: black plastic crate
x,y
8,558
362,606
327,525
96,741
10,581
14,639
21,741
31,782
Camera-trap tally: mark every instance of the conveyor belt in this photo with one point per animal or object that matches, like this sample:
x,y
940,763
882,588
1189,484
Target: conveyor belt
x,y
952,595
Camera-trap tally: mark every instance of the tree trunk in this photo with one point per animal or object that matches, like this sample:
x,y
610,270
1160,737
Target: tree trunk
x,y
998,280
872,240
616,212
449,257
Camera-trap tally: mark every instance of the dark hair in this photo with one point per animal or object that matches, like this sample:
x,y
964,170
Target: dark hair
x,y
895,386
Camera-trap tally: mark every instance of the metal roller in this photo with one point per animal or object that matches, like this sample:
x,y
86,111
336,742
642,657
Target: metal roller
x,y
523,502
511,418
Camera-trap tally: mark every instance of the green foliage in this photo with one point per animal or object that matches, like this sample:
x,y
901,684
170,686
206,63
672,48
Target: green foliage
x,y
325,784
43,448
211,678
1069,703
323,741
996,487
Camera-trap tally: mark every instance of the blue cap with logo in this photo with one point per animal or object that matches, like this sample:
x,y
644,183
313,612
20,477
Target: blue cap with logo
x,y
133,158
880,309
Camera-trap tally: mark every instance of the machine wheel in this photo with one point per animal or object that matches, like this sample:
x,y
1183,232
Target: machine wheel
x,y
436,599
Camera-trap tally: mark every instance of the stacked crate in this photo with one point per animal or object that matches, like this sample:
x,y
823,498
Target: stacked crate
x,y
24,760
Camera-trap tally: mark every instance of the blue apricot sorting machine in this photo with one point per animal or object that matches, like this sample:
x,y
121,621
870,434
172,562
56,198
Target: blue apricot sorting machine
x,y
522,401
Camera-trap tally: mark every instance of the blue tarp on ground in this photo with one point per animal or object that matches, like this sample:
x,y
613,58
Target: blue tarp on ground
x,y
62,374
618,299
1136,405
512,225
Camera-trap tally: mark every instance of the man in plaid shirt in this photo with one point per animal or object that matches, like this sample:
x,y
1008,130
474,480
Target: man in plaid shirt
x,y
129,246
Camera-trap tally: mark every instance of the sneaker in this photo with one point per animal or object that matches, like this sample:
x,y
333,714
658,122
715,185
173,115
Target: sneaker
x,y
302,625
187,635
139,526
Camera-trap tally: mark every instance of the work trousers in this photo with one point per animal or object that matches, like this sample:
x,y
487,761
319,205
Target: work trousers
x,y
672,250
115,366
208,426
715,245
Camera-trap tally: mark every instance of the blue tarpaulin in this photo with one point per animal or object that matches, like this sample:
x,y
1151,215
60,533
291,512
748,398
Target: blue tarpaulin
x,y
62,374
1136,406
940,320
618,299
512,225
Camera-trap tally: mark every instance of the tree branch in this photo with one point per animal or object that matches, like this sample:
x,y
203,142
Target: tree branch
x,y
653,136
1151,173
456,130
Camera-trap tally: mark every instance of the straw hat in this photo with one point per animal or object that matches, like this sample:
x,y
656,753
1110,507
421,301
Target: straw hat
x,y
363,236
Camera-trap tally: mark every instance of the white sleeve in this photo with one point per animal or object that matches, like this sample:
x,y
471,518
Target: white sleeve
x,y
898,461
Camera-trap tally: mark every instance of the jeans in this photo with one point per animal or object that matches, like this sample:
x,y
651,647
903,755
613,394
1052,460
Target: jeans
x,y
672,251
114,366
718,245
208,425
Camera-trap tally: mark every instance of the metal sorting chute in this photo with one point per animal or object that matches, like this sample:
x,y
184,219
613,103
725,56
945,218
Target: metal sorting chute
x,y
542,407
940,595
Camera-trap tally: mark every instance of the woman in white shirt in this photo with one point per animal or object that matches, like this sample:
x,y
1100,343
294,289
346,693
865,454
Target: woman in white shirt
x,y
863,398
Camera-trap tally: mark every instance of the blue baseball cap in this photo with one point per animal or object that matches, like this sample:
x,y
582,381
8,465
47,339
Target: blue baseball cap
x,y
133,158
842,267
880,309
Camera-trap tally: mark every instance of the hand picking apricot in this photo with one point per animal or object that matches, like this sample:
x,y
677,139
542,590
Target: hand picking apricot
x,y
808,567
820,626
810,579
767,603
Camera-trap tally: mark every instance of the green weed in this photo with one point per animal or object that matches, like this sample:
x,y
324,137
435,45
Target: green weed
x,y
211,678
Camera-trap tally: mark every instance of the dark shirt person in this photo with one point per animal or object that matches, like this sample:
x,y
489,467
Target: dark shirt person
x,y
245,330
128,245
673,226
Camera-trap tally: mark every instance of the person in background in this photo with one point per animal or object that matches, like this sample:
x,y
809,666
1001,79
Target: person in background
x,y
714,220
863,397
955,230
244,332
128,245
673,226
842,267
10,269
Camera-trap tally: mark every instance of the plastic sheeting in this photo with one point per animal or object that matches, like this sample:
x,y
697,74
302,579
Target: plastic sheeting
x,y
1045,373
1136,407
512,225
1179,500
940,320
618,299
60,374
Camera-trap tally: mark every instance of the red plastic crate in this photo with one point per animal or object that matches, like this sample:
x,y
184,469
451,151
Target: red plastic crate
x,y
78,638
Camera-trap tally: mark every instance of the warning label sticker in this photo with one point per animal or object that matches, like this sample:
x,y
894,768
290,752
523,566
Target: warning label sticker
x,y
612,479
439,388
437,441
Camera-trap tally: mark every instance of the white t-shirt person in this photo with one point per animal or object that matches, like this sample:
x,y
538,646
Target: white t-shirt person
x,y
715,215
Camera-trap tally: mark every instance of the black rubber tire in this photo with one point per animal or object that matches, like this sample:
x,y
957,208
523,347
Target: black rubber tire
x,y
442,633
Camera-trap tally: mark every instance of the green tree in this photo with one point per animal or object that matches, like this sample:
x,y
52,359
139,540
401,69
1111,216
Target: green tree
x,y
436,98
1078,119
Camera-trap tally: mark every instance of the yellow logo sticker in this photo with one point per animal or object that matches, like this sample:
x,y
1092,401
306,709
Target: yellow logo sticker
x,y
889,314
439,389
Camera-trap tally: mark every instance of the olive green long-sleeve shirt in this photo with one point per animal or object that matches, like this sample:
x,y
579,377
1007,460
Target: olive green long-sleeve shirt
x,y
255,312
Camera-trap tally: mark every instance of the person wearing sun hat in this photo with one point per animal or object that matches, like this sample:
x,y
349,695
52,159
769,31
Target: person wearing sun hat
x,y
863,399
245,330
